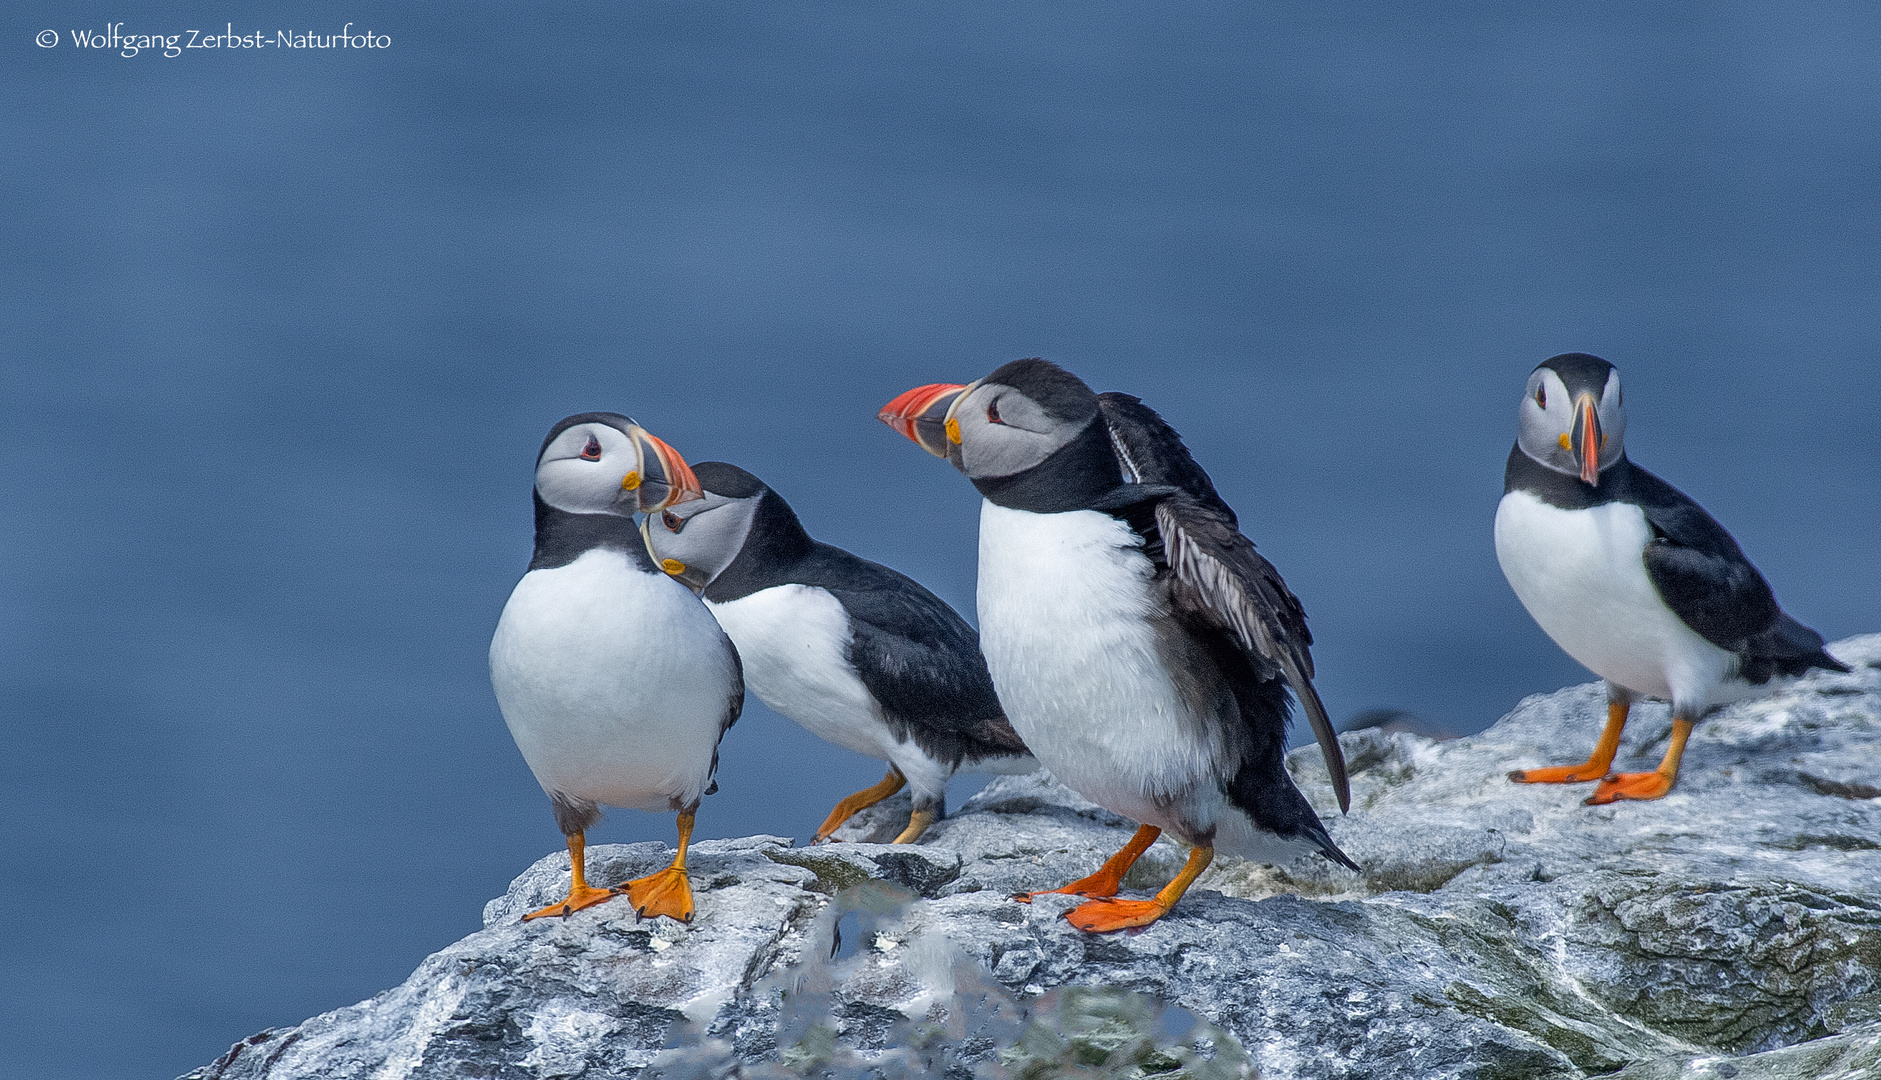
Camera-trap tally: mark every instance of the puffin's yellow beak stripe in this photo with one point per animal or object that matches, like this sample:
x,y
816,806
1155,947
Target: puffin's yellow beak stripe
x,y
631,481
673,566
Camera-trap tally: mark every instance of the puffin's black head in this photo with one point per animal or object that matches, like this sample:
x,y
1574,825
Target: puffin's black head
x,y
1571,416
1008,422
696,542
604,463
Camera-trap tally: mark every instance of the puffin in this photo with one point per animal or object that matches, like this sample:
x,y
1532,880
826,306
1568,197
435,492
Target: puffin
x,y
615,681
1139,644
1630,577
859,654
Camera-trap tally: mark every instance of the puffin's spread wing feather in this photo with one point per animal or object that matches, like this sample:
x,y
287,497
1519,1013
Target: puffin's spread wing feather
x,y
1220,581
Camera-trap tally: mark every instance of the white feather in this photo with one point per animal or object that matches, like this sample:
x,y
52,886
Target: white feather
x,y
1065,621
614,682
1582,576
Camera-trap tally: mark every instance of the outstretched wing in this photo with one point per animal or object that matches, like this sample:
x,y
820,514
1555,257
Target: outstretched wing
x,y
1219,581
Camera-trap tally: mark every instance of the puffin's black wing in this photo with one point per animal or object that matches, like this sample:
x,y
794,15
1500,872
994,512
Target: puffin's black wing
x,y
1703,576
734,707
918,657
1219,581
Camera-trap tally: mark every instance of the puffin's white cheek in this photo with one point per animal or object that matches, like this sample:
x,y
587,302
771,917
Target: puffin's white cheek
x,y
578,487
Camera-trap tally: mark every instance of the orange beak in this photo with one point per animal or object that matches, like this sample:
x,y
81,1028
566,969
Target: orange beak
x,y
1586,438
663,478
921,415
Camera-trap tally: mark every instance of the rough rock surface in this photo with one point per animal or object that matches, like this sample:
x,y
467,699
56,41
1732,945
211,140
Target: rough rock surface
x,y
1732,929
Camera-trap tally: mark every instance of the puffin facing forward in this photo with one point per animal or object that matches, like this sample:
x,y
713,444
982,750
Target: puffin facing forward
x,y
614,680
1139,644
860,655
1631,578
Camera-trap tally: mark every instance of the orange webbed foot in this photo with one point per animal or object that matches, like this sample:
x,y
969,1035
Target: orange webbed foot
x,y
664,893
1101,916
1109,877
1637,785
1560,774
1099,884
579,898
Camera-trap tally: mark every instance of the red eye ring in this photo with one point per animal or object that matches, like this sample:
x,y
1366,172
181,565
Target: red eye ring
x,y
592,451
672,521
992,413
1541,396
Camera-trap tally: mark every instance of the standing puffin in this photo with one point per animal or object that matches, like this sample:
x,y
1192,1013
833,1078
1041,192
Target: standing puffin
x,y
1140,645
1630,577
614,680
862,656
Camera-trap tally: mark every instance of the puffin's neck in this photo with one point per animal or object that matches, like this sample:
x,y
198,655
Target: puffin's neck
x,y
774,544
562,537
1076,476
1558,489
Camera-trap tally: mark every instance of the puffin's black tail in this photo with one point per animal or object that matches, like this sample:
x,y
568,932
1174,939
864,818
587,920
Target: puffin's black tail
x,y
1264,790
1787,648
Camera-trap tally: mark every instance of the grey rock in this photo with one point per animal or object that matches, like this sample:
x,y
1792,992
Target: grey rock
x,y
1732,928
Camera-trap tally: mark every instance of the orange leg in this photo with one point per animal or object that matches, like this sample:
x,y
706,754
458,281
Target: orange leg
x,y
1102,916
1647,785
580,894
1597,763
861,800
1109,877
917,824
665,892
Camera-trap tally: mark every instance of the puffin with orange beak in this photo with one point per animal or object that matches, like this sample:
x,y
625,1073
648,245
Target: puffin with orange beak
x,y
1139,644
1632,578
614,679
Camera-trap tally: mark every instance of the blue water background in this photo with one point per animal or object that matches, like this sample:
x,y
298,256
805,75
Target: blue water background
x,y
280,333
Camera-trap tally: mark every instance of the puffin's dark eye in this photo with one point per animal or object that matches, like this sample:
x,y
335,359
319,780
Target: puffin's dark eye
x,y
992,413
592,451
1541,396
672,521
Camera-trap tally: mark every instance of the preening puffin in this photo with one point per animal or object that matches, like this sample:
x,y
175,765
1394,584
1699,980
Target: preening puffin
x,y
613,678
1630,577
857,653
1139,644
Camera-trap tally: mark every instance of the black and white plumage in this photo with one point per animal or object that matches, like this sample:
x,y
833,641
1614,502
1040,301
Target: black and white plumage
x,y
615,681
857,653
1140,645
1629,576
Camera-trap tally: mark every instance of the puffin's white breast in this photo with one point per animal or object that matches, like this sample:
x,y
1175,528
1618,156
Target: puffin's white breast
x,y
614,682
1582,576
1066,625
794,641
